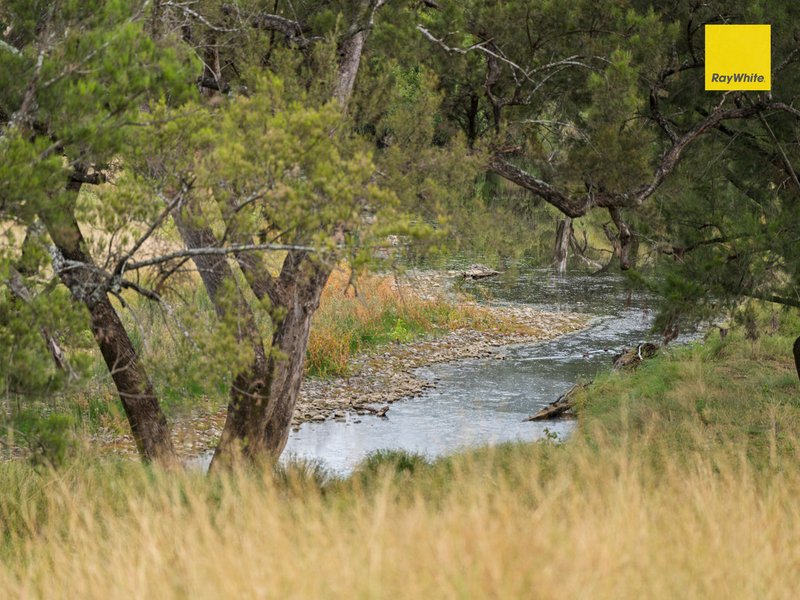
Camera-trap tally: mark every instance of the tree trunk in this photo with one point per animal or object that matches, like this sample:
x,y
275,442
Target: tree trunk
x,y
264,396
291,341
625,239
249,406
348,67
796,351
148,423
561,250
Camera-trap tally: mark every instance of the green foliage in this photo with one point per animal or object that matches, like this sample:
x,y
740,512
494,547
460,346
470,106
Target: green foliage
x,y
26,366
50,438
567,92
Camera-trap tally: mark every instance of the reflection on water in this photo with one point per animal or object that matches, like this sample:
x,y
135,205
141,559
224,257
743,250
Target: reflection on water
x,y
480,401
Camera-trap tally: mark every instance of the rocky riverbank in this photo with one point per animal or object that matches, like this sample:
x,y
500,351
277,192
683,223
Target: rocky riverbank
x,y
381,378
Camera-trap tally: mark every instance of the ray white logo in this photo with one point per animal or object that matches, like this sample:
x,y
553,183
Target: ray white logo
x,y
738,57
737,78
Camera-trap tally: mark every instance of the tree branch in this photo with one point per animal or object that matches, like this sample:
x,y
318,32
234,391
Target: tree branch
x,y
171,205
578,206
482,47
214,251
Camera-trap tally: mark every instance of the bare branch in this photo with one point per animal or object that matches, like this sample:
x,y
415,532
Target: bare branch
x,y
214,251
9,48
120,267
196,15
482,47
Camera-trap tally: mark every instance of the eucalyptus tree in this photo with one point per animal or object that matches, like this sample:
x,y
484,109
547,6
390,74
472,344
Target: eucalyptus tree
x,y
282,165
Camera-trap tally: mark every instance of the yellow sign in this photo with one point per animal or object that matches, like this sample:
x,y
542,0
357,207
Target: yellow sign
x,y
738,57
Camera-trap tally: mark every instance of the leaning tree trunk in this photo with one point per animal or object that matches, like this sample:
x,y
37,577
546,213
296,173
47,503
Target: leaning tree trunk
x,y
561,250
295,294
148,423
263,394
291,340
249,404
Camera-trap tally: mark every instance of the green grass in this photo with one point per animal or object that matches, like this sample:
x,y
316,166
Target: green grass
x,y
731,392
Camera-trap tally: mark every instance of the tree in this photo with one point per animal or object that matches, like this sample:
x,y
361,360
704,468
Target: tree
x,y
279,176
318,203
602,107
72,75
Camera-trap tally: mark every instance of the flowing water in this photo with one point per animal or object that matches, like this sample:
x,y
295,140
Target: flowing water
x,y
482,401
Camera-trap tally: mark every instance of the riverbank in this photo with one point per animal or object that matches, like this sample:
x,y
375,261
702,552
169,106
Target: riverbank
x,y
366,347
727,394
681,473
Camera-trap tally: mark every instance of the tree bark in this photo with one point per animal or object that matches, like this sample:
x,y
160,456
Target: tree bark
x,y
290,341
352,49
561,250
625,238
148,423
248,406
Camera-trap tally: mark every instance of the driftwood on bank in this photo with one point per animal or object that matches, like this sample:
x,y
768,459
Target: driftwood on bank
x,y
378,412
560,407
477,271
630,358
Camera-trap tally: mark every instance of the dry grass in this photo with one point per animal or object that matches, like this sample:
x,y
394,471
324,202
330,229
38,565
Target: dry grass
x,y
683,482
679,485
509,523
382,312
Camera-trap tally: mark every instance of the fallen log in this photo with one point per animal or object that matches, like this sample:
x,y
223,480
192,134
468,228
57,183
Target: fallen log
x,y
564,403
630,358
477,271
378,412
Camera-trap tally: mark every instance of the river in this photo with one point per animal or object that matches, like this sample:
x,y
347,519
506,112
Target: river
x,y
484,401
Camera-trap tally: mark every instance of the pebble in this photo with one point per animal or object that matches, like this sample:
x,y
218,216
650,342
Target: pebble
x,y
384,377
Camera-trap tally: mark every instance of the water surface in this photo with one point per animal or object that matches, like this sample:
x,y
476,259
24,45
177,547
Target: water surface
x,y
484,401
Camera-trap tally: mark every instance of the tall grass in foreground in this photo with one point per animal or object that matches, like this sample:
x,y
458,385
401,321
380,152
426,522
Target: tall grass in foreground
x,y
683,482
513,522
